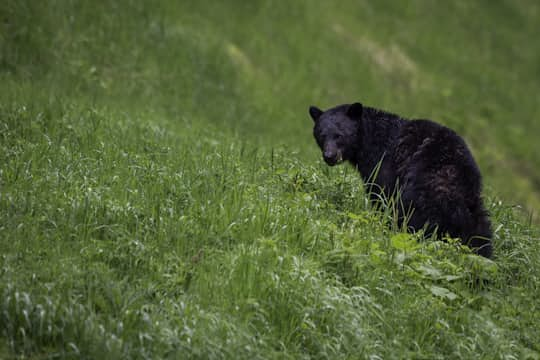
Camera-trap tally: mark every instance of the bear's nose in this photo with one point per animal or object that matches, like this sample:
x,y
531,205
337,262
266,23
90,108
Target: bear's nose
x,y
328,155
330,158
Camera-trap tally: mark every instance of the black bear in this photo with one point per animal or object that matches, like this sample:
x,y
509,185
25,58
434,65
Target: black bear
x,y
429,166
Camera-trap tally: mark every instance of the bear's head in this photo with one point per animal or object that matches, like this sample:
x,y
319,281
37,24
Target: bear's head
x,y
337,131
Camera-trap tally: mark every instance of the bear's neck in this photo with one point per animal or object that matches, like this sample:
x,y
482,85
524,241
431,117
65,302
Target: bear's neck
x,y
377,138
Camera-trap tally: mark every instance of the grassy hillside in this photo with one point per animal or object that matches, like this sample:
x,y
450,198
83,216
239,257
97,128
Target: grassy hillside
x,y
161,195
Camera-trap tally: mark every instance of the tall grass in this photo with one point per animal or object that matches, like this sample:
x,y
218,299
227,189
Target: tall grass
x,y
121,236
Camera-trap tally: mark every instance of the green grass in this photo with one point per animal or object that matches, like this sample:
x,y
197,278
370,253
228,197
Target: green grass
x,y
161,195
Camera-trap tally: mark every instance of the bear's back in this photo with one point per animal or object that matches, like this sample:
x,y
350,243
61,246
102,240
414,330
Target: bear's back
x,y
434,155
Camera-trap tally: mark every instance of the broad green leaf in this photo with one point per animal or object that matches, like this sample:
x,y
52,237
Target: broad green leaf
x,y
443,292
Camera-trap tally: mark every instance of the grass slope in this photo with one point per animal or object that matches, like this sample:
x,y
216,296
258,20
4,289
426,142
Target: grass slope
x,y
161,196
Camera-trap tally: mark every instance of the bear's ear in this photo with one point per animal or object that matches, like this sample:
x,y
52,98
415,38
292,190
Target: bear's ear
x,y
315,112
355,111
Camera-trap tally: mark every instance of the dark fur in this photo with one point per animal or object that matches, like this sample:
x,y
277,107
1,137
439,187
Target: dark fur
x,y
430,164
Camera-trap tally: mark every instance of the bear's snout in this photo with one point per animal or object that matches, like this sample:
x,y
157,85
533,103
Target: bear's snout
x,y
332,157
